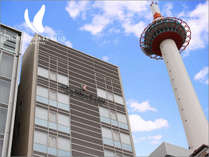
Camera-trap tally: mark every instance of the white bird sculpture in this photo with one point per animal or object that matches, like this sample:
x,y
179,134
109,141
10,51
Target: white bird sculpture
x,y
37,25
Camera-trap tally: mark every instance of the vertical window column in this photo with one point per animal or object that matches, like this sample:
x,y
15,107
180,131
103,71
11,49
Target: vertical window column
x,y
42,95
107,136
51,144
3,118
126,142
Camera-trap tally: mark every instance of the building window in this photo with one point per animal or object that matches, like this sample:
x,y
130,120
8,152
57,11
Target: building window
x,y
1,146
53,98
41,116
126,142
64,147
3,118
53,145
6,65
52,142
8,40
108,153
63,101
4,91
43,72
40,141
53,76
118,99
122,121
116,139
42,95
63,123
110,96
101,93
52,120
62,79
113,118
43,92
107,136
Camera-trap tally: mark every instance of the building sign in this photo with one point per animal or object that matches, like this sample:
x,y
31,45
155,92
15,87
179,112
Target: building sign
x,y
82,93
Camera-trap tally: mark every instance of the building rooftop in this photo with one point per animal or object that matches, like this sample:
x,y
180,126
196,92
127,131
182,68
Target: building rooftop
x,y
166,149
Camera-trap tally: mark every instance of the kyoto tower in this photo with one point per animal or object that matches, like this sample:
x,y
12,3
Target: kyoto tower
x,y
165,38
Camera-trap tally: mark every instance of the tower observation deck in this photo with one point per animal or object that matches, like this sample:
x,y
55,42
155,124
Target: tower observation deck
x,y
165,38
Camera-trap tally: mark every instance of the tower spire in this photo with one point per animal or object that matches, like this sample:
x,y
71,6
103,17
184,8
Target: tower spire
x,y
155,10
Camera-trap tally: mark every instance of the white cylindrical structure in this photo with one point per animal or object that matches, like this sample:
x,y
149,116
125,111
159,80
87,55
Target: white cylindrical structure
x,y
193,118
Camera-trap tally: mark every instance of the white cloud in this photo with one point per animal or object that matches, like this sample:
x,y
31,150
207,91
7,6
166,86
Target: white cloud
x,y
98,24
74,8
141,107
167,9
136,29
198,23
111,12
105,58
138,124
202,75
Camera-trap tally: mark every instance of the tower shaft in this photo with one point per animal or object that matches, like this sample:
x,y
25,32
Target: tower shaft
x,y
194,122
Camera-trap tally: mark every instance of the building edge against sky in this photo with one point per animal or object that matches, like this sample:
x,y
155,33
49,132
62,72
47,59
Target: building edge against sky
x,y
58,81
10,45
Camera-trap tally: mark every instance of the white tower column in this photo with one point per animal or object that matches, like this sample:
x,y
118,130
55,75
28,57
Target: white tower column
x,y
193,118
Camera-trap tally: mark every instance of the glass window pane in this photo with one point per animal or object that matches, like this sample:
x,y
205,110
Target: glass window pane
x,y
63,143
118,155
1,145
6,65
40,137
122,118
63,98
113,115
52,116
106,133
3,117
118,99
108,153
4,91
52,95
41,113
63,119
116,136
62,79
53,76
52,140
43,72
41,91
125,138
101,93
109,96
104,112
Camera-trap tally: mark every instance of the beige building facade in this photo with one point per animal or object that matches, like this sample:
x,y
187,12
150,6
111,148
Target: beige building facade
x,y
70,104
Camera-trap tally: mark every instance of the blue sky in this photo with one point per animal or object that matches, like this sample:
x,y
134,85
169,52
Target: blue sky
x,y
110,30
